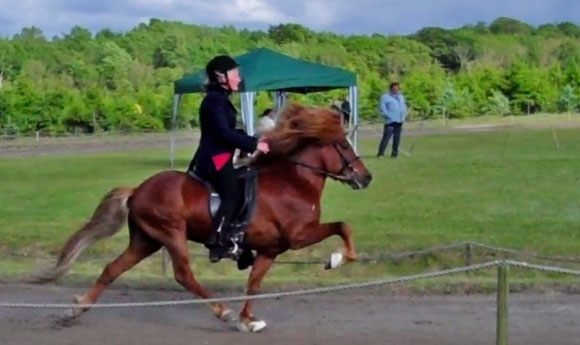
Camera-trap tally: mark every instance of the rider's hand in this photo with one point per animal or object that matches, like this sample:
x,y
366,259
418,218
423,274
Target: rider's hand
x,y
263,147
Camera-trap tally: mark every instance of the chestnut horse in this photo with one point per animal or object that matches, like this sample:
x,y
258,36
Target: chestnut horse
x,y
307,145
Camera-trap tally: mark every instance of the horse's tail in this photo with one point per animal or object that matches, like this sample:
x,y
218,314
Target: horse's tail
x,y
107,219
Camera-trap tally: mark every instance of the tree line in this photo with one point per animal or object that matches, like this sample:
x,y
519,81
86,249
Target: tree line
x,y
124,81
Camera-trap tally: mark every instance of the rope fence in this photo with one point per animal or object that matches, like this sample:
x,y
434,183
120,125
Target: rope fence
x,y
321,290
501,300
273,295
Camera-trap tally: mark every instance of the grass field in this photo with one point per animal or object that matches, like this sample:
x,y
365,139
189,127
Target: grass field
x,y
508,188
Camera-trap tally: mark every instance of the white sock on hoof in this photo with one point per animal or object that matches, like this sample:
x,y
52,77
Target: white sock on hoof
x,y
252,326
76,311
228,315
336,260
70,313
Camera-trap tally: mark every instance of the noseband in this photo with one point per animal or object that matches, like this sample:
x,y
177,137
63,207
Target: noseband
x,y
346,164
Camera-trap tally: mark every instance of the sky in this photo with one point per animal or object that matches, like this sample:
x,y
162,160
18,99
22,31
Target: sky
x,y
56,17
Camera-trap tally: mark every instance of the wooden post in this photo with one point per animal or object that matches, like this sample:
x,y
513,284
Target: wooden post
x,y
468,254
502,304
468,257
164,261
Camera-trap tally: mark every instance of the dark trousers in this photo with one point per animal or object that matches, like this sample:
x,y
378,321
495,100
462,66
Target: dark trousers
x,y
227,186
394,130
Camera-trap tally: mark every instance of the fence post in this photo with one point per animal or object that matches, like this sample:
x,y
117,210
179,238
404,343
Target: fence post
x,y
164,261
502,304
468,253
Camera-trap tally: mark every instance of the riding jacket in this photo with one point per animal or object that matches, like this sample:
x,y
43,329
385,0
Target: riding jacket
x,y
219,136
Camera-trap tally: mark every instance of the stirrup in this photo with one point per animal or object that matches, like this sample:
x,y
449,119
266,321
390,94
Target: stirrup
x,y
234,252
219,252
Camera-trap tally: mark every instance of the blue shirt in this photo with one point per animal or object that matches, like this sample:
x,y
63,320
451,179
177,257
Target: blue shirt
x,y
393,107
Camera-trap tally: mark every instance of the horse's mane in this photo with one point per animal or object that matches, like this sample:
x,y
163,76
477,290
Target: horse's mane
x,y
298,125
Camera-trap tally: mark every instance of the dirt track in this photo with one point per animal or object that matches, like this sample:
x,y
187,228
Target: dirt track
x,y
356,317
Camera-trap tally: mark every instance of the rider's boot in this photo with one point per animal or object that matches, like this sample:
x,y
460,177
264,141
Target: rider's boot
x,y
215,244
222,244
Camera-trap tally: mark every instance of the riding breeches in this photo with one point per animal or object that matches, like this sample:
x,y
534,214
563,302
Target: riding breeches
x,y
227,186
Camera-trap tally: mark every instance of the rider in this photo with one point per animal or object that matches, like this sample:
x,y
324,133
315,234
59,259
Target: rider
x,y
219,139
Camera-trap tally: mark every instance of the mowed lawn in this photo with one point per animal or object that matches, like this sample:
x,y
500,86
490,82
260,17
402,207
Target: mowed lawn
x,y
511,188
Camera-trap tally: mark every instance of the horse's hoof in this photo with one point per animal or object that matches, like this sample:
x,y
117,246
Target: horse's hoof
x,y
335,261
227,315
252,326
71,313
75,312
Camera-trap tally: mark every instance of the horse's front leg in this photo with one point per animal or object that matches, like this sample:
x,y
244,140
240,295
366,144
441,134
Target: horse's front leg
x,y
248,322
313,234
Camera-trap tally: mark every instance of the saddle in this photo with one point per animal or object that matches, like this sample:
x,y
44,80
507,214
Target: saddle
x,y
248,180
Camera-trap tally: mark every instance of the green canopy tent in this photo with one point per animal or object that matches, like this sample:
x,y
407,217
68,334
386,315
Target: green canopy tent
x,y
265,70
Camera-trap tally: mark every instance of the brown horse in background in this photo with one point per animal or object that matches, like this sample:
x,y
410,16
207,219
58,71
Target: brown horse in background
x,y
307,145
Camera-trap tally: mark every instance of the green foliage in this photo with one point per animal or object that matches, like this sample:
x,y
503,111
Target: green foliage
x,y
124,81
498,104
455,103
568,99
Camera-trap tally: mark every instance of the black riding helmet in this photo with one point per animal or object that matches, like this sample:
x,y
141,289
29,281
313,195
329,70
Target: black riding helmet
x,y
220,64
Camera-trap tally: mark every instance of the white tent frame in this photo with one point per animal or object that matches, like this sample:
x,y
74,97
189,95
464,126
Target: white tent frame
x,y
247,104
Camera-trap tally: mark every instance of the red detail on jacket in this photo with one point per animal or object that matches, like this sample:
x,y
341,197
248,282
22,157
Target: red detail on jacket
x,y
220,160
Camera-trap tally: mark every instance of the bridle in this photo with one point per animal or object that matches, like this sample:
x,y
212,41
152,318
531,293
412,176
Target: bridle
x,y
340,175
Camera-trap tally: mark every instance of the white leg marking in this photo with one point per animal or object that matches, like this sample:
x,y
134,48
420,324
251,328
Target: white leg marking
x,y
252,326
336,260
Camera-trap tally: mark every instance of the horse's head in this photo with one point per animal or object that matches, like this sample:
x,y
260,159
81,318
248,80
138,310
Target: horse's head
x,y
314,138
341,163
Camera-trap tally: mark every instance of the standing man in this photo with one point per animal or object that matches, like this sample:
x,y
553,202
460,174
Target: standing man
x,y
394,110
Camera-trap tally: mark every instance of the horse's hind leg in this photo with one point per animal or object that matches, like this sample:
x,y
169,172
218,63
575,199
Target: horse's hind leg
x,y
177,248
140,247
